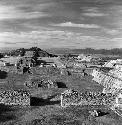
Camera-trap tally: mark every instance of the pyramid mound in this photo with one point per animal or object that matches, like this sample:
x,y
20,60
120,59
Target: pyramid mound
x,y
34,51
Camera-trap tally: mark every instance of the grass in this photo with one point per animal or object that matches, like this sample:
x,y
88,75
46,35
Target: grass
x,y
49,111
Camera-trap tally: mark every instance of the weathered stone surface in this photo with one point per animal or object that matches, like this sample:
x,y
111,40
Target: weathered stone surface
x,y
72,97
12,97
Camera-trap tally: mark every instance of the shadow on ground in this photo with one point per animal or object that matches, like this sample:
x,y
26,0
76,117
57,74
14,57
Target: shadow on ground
x,y
35,101
102,113
61,85
3,74
6,113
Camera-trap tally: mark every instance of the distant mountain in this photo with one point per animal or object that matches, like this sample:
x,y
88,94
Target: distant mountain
x,y
37,52
57,51
115,51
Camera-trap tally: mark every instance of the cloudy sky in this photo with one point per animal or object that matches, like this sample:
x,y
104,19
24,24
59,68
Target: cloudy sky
x,y
61,23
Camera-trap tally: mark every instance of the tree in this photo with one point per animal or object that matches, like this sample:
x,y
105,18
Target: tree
x,y
22,51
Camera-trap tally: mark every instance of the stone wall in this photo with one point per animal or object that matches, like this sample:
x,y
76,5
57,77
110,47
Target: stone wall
x,y
12,97
109,82
71,97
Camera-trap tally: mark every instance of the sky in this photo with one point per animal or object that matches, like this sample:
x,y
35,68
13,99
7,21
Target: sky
x,y
61,23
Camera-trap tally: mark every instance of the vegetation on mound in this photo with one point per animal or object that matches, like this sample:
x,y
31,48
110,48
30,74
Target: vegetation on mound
x,y
37,52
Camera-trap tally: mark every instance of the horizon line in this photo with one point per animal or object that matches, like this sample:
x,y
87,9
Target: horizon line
x,y
5,48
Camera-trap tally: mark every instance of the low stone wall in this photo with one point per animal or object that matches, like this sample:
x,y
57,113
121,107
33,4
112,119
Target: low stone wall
x,y
12,97
72,97
3,68
10,69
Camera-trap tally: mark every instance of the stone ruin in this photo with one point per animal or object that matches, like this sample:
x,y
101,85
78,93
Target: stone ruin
x,y
15,97
109,100
110,83
72,97
48,84
40,83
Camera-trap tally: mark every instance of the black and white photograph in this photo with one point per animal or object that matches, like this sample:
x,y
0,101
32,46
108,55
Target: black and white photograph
x,y
60,62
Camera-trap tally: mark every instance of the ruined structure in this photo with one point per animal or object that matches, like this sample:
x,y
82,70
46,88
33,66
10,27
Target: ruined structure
x,y
72,97
117,64
40,83
115,73
83,57
29,53
17,64
111,84
25,64
26,61
118,67
15,97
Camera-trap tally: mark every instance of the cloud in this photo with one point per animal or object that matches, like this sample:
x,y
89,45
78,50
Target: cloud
x,y
70,24
117,39
41,35
11,12
10,43
52,38
56,38
24,37
112,31
19,42
117,42
91,14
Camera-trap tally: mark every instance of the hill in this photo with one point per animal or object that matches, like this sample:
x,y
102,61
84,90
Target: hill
x,y
115,51
37,52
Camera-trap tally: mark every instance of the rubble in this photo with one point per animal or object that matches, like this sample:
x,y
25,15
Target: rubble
x,y
83,57
114,64
93,113
118,67
115,73
40,83
48,84
97,113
